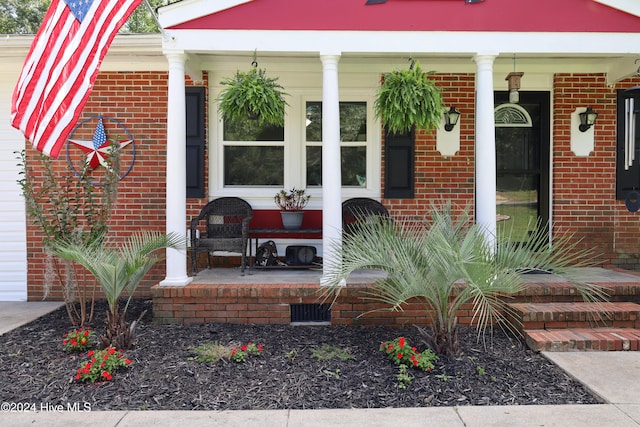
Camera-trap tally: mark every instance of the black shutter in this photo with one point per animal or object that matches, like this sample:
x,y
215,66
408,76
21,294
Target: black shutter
x,y
399,165
626,179
195,141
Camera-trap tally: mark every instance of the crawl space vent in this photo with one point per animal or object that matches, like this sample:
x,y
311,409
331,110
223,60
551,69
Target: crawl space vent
x,y
310,313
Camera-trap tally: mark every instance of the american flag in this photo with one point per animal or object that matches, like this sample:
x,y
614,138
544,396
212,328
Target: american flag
x,y
61,67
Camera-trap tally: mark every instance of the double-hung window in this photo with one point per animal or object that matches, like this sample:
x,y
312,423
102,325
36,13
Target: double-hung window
x,y
353,143
253,154
254,159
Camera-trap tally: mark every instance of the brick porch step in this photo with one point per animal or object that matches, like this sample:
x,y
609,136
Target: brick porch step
x,y
559,315
581,339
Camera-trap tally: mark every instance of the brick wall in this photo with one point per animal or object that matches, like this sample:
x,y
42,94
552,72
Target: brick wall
x,y
441,178
139,101
270,304
584,200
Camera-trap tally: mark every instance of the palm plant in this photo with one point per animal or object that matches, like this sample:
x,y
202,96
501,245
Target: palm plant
x,y
447,263
119,271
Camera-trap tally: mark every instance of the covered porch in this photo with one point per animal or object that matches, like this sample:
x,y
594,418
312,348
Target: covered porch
x,y
325,60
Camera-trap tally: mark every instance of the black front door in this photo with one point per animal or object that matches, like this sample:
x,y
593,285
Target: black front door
x,y
522,162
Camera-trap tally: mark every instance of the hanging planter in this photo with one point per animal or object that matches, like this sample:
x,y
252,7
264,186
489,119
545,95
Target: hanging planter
x,y
408,99
252,95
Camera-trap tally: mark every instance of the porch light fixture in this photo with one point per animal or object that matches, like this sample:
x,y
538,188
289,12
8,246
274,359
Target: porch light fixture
x,y
451,119
514,84
587,119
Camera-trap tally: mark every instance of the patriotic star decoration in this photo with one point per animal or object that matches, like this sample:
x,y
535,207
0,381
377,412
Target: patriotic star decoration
x,y
98,148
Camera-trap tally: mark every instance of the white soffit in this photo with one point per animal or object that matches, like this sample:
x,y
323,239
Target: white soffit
x,y
630,6
188,10
375,42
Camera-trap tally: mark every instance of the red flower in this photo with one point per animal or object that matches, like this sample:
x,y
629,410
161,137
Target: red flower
x,y
414,349
127,361
399,355
401,342
249,343
260,348
233,352
243,348
90,353
112,350
86,333
107,375
415,363
390,348
106,357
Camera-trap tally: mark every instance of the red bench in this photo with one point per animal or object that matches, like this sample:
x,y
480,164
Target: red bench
x,y
267,224
270,219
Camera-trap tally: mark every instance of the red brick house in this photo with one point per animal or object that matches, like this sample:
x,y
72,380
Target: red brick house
x,y
526,159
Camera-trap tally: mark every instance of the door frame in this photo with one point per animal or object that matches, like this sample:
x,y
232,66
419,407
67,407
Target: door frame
x,y
543,121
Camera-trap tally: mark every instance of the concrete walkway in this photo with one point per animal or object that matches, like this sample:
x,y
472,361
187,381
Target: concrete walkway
x,y
614,376
17,313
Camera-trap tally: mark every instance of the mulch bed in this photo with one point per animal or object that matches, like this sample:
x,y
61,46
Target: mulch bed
x,y
163,375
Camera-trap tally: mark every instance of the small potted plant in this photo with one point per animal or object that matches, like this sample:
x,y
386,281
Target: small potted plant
x,y
252,95
408,99
291,204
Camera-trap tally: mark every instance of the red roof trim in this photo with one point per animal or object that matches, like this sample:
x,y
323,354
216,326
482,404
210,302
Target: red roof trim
x,y
421,15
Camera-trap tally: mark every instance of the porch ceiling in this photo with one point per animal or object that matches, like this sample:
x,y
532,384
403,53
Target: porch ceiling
x,y
616,66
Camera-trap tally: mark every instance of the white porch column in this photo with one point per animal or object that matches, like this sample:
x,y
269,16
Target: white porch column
x,y
176,184
485,147
331,176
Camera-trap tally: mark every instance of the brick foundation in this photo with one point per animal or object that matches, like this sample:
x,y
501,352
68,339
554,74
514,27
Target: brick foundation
x,y
270,303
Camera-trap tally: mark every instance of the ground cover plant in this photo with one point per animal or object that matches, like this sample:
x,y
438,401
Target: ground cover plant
x,y
349,369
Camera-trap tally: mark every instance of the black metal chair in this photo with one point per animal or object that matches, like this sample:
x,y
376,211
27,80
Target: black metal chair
x,y
226,229
359,209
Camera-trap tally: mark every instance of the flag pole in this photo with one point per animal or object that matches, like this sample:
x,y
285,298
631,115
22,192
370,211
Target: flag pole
x,y
155,18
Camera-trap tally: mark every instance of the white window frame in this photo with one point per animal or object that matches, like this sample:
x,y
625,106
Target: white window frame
x,y
261,197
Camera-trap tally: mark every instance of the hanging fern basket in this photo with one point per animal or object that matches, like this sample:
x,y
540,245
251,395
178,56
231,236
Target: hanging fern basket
x,y
408,99
252,95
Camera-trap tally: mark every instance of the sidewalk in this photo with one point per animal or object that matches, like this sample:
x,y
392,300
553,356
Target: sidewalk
x,y
613,376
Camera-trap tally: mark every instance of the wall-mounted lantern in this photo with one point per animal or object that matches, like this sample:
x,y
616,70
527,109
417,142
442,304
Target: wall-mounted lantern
x,y
451,119
587,119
